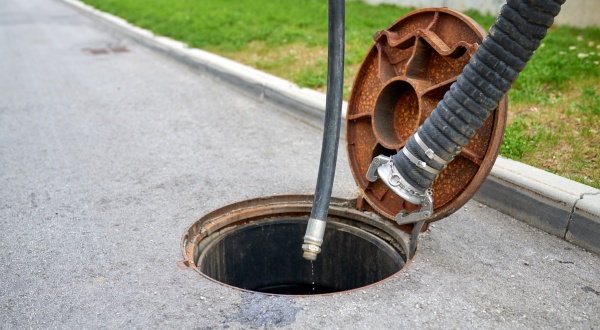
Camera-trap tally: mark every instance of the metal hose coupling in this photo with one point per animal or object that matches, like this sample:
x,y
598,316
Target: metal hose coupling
x,y
313,238
382,167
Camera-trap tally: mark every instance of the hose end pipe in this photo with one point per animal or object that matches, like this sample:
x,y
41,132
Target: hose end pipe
x,y
313,238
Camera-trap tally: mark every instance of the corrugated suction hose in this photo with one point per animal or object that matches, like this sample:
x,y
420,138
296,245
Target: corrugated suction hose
x,y
513,38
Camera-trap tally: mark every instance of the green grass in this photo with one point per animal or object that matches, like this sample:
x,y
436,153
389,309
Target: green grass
x,y
554,105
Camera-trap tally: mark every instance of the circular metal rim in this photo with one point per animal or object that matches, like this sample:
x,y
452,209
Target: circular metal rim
x,y
498,127
253,210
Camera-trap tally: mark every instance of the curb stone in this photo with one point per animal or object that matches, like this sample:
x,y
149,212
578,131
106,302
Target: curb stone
x,y
584,227
559,206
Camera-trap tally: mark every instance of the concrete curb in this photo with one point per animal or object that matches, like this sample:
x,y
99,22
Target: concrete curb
x,y
557,205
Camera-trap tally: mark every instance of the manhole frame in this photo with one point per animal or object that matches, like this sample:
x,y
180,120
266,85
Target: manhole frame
x,y
264,208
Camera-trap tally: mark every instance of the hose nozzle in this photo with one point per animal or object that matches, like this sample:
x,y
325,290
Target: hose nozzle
x,y
313,238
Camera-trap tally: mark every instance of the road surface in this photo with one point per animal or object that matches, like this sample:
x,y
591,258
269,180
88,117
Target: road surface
x,y
109,151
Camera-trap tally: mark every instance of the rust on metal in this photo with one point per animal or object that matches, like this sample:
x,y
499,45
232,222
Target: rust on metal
x,y
402,78
184,264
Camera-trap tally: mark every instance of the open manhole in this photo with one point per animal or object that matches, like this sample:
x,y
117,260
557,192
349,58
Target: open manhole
x,y
255,245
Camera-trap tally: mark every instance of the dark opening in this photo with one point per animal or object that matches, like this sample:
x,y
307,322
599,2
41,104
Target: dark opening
x,y
266,256
396,114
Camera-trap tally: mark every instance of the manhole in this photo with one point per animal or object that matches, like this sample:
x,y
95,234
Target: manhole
x,y
255,245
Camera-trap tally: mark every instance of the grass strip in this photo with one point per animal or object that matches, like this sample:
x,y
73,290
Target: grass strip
x,y
554,105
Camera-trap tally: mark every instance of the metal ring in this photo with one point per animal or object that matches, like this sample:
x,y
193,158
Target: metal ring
x,y
395,180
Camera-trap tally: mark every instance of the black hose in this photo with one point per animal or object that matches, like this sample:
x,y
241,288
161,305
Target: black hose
x,y
513,38
333,109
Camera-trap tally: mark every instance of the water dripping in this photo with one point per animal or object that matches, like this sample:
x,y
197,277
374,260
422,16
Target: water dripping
x,y
312,275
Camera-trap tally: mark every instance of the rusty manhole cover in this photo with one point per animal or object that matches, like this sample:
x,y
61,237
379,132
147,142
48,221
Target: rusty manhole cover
x,y
401,80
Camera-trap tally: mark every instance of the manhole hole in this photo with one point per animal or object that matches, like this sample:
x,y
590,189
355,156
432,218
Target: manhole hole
x,y
255,245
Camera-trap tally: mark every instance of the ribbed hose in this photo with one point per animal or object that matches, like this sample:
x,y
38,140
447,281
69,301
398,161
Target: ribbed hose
x,y
513,38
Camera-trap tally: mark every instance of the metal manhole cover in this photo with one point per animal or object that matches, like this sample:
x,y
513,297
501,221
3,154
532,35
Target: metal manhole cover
x,y
401,80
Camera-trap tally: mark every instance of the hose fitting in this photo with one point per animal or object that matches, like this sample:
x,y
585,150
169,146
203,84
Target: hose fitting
x,y
313,238
383,167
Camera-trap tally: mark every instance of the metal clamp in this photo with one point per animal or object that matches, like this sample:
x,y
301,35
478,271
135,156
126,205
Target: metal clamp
x,y
383,168
428,151
419,163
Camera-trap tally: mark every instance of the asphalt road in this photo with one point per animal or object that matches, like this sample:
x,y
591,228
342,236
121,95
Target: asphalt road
x,y
108,152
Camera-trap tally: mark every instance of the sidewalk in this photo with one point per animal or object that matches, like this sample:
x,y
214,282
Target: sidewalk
x,y
110,151
559,206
